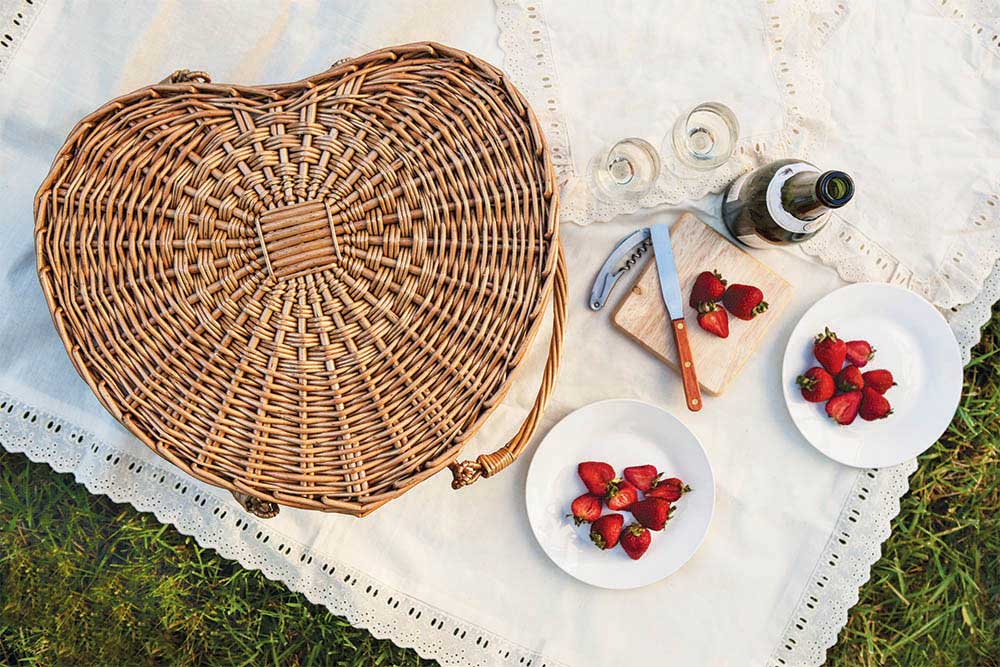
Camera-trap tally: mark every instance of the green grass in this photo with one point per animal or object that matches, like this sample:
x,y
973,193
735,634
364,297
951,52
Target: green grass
x,y
84,581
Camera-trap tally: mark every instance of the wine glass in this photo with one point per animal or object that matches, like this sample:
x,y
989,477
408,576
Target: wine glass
x,y
625,170
703,138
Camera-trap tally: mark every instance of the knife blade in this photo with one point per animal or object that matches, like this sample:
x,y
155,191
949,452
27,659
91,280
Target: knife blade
x,y
666,267
670,290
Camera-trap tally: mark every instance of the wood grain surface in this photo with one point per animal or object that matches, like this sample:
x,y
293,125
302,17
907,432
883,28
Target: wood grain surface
x,y
698,247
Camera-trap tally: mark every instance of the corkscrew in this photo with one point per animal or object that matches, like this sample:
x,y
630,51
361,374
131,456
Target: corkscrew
x,y
625,255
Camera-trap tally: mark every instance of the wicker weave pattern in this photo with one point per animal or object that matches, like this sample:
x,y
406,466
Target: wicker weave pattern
x,y
310,293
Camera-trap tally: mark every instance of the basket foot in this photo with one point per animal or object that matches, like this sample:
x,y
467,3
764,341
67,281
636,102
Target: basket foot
x,y
260,508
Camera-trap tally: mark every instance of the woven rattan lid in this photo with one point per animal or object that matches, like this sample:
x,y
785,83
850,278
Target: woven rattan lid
x,y
310,293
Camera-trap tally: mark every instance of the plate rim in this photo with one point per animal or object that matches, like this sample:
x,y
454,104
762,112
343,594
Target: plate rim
x,y
644,405
953,351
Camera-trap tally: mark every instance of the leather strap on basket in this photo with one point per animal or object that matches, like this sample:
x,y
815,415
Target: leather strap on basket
x,y
487,465
186,76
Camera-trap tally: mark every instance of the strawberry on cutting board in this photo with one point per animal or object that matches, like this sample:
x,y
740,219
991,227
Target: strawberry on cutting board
x,y
708,288
713,319
744,301
635,541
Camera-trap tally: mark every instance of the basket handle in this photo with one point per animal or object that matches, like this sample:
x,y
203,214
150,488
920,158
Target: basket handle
x,y
186,76
487,465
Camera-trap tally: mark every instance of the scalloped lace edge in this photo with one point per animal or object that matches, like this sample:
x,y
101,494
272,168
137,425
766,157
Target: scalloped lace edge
x,y
856,544
528,60
16,19
217,522
962,273
389,614
856,257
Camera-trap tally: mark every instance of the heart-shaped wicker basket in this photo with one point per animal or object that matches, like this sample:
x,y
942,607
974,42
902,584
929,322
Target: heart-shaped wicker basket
x,y
311,294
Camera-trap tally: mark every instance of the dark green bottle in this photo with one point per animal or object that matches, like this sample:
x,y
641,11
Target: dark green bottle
x,y
786,201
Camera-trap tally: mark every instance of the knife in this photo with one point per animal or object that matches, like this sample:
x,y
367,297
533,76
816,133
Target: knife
x,y
670,289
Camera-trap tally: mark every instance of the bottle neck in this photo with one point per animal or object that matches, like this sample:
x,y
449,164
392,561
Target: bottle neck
x,y
809,194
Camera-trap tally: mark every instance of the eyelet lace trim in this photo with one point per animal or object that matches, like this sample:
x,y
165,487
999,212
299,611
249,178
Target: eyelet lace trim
x,y
213,518
16,19
528,60
217,522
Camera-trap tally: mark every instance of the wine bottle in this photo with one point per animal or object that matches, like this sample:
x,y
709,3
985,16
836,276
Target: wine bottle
x,y
786,201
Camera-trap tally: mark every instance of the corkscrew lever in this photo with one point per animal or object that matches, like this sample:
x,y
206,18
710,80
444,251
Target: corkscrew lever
x,y
624,256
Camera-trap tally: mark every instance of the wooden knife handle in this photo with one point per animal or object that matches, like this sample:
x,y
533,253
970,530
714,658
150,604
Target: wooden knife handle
x,y
692,392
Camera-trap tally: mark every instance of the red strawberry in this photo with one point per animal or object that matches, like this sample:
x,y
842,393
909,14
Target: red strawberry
x,y
605,531
642,477
708,287
669,489
713,319
652,512
621,494
635,540
817,385
744,301
873,405
850,379
830,351
586,508
859,352
595,476
880,380
843,408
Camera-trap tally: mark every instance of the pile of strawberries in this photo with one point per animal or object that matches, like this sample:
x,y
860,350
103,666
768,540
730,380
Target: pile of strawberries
x,y
651,512
847,391
744,301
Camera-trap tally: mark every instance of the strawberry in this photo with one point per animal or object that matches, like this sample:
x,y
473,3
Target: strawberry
x,y
586,509
843,408
635,540
652,512
830,351
880,380
595,476
642,477
708,288
817,385
713,319
669,489
605,531
850,379
621,494
744,301
873,405
859,352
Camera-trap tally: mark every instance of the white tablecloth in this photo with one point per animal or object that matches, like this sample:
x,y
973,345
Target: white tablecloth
x,y
456,575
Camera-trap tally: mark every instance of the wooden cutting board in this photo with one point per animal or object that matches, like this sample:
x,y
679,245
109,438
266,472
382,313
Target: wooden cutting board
x,y
698,247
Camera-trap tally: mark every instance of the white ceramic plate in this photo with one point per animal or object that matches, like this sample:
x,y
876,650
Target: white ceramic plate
x,y
913,341
622,433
